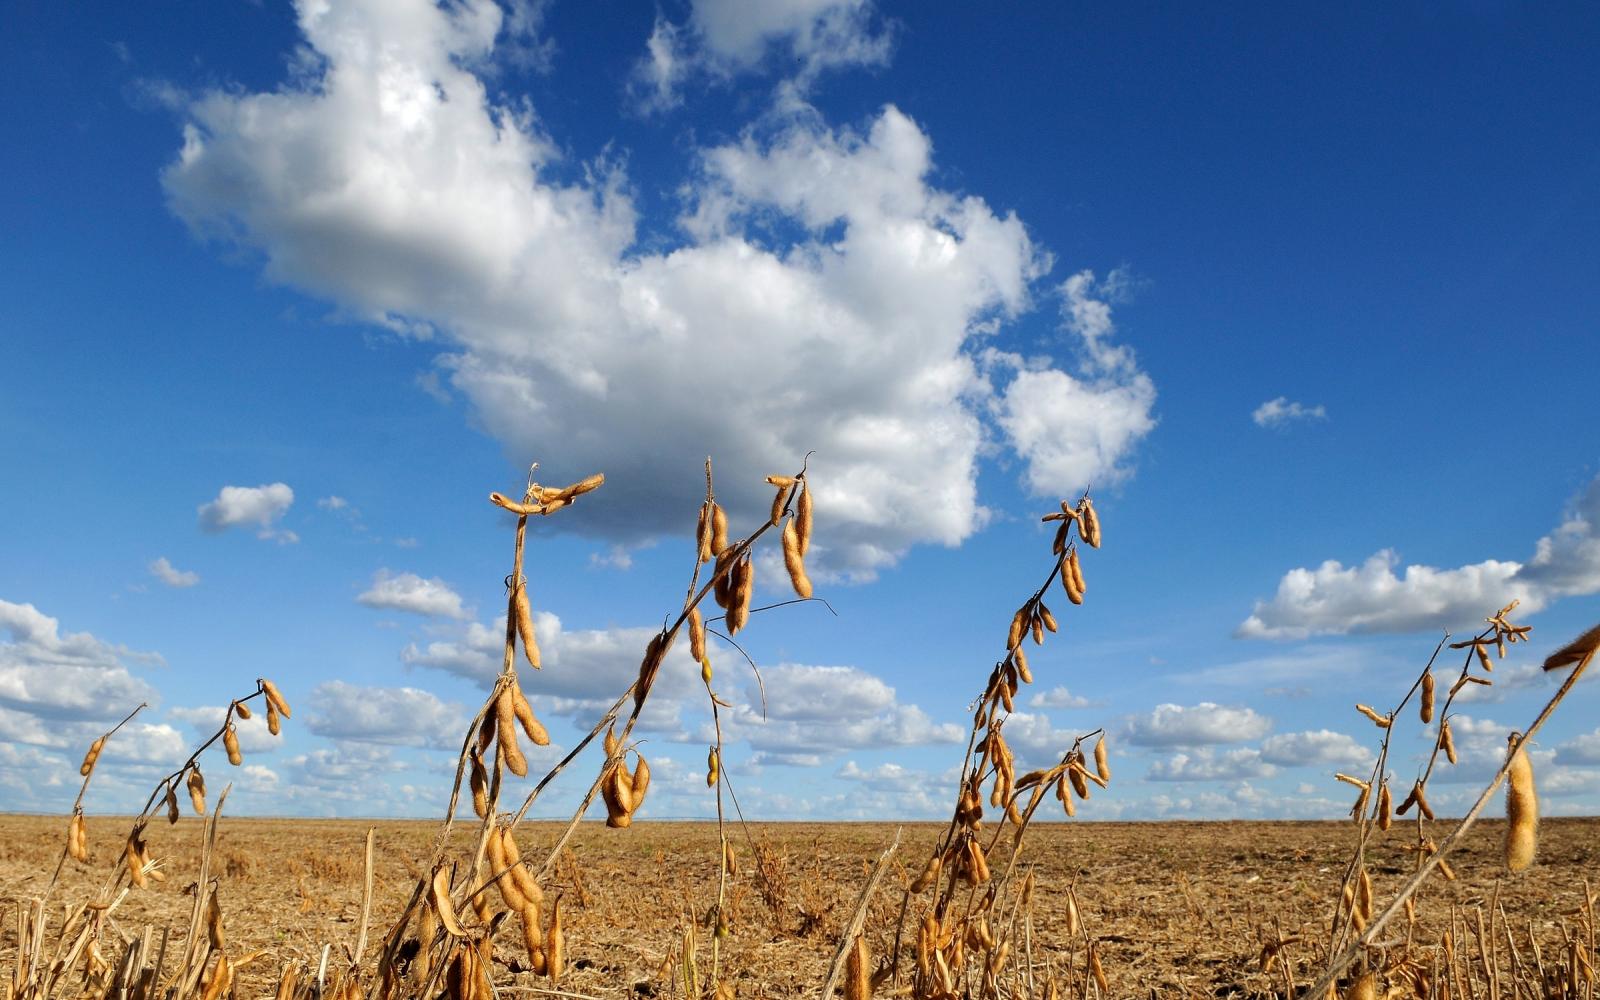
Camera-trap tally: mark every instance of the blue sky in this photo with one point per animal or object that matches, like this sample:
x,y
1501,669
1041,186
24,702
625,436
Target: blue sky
x,y
1308,298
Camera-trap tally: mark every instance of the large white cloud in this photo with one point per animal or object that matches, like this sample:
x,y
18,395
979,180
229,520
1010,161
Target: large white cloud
x,y
45,674
411,593
1334,599
260,507
824,296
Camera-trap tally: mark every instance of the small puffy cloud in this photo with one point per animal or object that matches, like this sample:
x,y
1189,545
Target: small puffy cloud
x,y
1314,747
254,736
1205,764
45,674
1280,413
1580,751
260,507
171,575
411,593
402,716
722,38
1197,725
1334,599
1076,428
1058,697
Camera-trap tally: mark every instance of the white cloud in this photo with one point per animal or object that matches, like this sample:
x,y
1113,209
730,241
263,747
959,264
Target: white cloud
x,y
1580,751
245,506
824,710
333,503
171,575
1279,413
402,716
1334,599
825,296
1319,746
1205,764
1198,725
1058,697
1077,429
724,37
46,675
254,737
410,593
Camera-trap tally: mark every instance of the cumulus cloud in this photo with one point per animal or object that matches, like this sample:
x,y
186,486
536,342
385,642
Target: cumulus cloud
x,y
823,295
171,575
402,716
1058,697
1318,746
1580,751
824,710
1334,599
260,507
721,38
1197,725
410,593
1205,764
45,675
1279,413
1075,428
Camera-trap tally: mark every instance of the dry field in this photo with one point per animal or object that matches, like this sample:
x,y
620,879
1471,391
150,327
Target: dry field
x,y
1178,909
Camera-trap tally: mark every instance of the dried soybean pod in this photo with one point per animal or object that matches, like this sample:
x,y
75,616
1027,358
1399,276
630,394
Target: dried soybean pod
x,y
1427,697
711,767
793,561
1385,806
697,634
133,856
172,803
702,533
1422,802
1102,764
78,837
1019,621
274,726
1076,569
777,501
803,517
230,740
519,872
1381,721
1080,785
1575,651
582,486
555,943
1447,741
500,871
524,612
1483,656
197,791
532,939
480,784
1522,809
275,697
241,710
612,744
439,896
92,756
1098,970
1088,523
857,972
530,724
1058,545
505,727
1046,617
1019,659
719,529
744,576
1073,593
930,874
641,780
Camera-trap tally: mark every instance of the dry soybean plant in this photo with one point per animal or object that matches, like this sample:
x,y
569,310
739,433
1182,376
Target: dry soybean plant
x,y
85,947
971,916
1405,964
